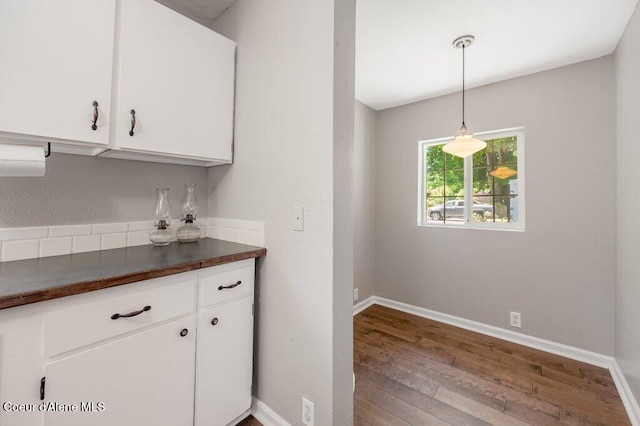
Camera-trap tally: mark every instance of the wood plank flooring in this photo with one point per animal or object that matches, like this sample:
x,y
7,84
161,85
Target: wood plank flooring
x,y
250,421
414,371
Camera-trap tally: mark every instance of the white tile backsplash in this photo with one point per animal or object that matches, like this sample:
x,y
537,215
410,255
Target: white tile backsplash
x,y
137,238
19,250
86,243
238,231
253,240
33,242
146,225
113,241
243,235
225,234
55,246
214,221
69,231
213,232
226,223
9,234
109,228
249,225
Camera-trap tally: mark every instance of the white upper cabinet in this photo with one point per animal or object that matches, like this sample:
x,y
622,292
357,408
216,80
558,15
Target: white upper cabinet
x,y
178,77
59,57
55,60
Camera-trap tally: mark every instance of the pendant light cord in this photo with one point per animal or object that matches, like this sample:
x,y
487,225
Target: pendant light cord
x,y
463,47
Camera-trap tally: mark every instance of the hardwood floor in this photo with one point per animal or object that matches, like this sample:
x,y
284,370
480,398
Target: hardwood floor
x,y
250,421
415,371
411,370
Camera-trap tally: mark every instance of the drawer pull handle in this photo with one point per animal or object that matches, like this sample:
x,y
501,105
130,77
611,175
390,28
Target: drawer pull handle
x,y
133,121
214,321
224,287
94,126
184,332
131,314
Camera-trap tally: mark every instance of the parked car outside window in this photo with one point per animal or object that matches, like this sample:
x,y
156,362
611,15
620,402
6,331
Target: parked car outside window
x,y
455,209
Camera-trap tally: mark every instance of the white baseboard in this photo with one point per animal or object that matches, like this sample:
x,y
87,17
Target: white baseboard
x,y
578,354
265,415
361,306
629,401
240,418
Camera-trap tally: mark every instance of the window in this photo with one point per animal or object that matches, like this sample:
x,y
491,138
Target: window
x,y
485,190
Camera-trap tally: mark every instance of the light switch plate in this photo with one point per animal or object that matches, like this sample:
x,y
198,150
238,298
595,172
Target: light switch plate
x,y
298,218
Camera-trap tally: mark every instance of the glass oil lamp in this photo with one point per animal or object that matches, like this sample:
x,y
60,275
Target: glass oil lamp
x,y
189,233
161,236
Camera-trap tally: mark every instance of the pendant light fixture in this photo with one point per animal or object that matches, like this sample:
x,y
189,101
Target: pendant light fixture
x,y
464,144
503,172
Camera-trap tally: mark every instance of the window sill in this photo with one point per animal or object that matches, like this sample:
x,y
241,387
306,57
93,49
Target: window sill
x,y
463,226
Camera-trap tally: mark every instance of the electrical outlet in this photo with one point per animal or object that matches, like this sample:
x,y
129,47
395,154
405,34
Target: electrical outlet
x,y
307,412
516,319
355,294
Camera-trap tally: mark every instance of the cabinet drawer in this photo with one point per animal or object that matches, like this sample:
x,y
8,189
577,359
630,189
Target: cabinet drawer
x,y
144,379
92,322
223,285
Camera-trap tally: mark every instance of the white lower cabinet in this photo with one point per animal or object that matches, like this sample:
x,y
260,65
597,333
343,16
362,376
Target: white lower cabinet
x,y
143,379
169,357
224,362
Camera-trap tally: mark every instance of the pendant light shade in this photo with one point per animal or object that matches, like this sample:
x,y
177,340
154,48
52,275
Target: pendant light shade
x,y
503,172
464,144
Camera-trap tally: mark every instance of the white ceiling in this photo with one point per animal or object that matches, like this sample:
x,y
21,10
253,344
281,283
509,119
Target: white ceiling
x,y
203,11
404,49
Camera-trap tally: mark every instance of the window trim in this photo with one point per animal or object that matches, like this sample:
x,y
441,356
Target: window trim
x,y
519,132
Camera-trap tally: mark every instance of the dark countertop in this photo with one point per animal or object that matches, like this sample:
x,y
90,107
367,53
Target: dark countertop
x,y
36,280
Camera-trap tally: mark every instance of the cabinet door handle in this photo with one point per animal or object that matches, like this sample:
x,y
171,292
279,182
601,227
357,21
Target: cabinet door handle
x,y
133,121
234,285
42,385
184,332
214,321
131,314
94,126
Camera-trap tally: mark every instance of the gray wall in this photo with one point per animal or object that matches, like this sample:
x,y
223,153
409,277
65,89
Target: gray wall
x,y
343,208
79,189
627,154
364,189
284,142
559,273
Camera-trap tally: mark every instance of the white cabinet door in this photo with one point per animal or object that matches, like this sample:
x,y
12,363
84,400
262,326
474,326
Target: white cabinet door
x,y
178,77
55,60
224,362
144,379
21,365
